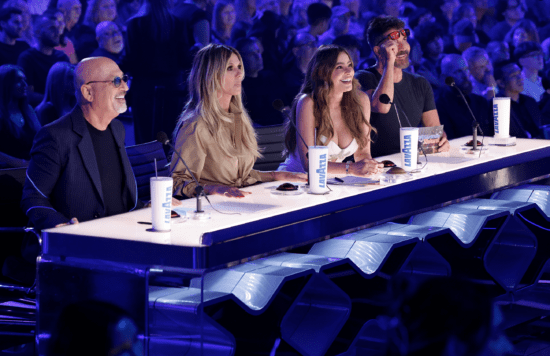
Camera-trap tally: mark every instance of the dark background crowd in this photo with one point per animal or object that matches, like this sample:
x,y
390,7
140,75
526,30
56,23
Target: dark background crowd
x,y
490,48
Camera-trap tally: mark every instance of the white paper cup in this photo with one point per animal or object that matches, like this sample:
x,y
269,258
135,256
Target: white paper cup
x,y
318,169
408,138
501,117
161,202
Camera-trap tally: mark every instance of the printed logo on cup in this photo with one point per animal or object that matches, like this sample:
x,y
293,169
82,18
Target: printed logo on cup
x,y
495,115
407,150
322,171
167,205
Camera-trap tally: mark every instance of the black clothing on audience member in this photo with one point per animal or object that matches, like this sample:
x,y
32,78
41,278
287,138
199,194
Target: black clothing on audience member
x,y
84,41
102,52
455,116
9,53
525,118
265,30
17,141
412,95
112,180
63,179
259,94
154,63
190,14
36,66
293,78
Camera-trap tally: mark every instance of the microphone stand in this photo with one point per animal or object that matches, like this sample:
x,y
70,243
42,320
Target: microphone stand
x,y
475,124
199,190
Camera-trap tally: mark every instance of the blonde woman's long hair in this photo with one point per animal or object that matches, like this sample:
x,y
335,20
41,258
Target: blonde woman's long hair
x,y
205,82
318,84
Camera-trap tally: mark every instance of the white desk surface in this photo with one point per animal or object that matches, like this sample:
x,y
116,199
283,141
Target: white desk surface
x,y
262,204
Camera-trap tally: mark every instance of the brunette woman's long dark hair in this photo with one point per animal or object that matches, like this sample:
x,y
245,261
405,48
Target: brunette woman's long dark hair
x,y
318,84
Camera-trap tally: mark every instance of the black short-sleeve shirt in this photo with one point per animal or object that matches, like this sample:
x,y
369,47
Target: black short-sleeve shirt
x,y
413,96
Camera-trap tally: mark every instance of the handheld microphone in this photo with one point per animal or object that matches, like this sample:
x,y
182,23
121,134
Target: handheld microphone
x,y
450,81
162,137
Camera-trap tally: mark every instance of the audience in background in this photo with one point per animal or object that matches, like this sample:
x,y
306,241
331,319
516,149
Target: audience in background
x,y
97,12
111,43
196,21
318,19
356,24
438,28
508,12
59,98
481,72
525,115
522,31
498,51
37,61
71,9
464,37
256,99
352,45
18,123
27,33
301,50
11,30
126,9
339,25
530,58
223,21
453,112
429,37
65,44
246,10
156,56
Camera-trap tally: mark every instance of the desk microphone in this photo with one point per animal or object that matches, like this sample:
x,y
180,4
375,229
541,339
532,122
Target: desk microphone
x,y
450,81
199,190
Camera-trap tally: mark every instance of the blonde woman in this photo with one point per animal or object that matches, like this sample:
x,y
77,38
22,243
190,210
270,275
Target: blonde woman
x,y
331,104
214,134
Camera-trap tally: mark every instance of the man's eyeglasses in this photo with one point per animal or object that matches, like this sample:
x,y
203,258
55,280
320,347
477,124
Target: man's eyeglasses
x,y
395,35
116,82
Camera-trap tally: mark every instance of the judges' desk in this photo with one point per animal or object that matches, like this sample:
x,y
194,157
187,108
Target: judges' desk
x,y
260,224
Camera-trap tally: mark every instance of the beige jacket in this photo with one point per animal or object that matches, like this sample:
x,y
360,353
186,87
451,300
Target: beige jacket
x,y
207,161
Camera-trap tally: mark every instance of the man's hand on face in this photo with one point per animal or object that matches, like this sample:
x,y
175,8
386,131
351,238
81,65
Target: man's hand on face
x,y
388,52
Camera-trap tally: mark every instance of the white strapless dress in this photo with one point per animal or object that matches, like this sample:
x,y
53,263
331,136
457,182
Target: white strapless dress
x,y
335,153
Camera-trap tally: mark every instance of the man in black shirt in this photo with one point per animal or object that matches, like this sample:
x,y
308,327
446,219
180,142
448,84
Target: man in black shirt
x,y
11,28
79,169
36,62
412,94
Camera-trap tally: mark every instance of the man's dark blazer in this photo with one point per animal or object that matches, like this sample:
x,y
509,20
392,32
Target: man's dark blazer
x,y
63,178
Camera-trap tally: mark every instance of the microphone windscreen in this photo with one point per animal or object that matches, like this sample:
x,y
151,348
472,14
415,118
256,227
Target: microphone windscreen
x,y
450,81
384,99
278,104
162,137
